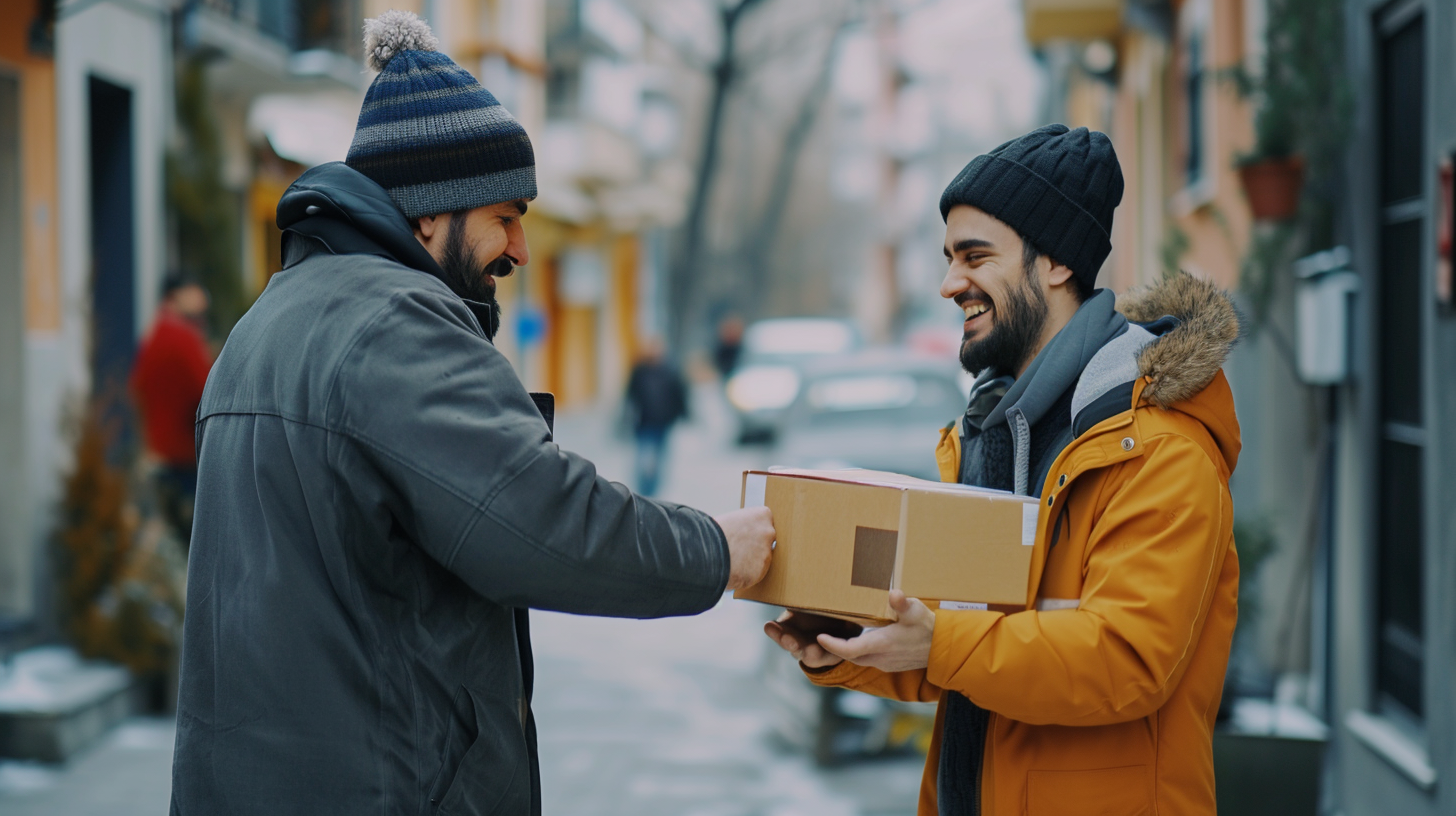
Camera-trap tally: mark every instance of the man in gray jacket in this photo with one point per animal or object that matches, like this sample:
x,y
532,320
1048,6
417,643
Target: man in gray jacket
x,y
379,499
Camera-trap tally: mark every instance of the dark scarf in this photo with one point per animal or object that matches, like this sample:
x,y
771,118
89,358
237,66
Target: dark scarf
x,y
988,459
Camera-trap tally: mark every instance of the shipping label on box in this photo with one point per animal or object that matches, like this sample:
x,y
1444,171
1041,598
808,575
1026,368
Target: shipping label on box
x,y
847,537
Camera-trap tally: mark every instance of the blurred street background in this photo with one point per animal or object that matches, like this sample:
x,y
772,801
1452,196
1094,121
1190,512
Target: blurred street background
x,y
635,717
738,219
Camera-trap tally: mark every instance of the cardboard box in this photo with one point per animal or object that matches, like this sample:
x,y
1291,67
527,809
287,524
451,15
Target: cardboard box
x,y
847,537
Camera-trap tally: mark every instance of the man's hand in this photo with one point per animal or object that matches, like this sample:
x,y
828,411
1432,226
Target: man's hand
x,y
750,535
796,633
901,646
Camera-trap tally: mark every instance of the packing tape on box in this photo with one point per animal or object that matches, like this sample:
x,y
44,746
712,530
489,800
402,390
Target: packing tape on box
x,y
755,490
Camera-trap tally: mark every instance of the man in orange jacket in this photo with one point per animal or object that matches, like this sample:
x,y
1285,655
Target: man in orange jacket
x,y
1098,695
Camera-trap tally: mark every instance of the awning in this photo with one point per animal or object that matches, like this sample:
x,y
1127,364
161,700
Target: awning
x,y
311,129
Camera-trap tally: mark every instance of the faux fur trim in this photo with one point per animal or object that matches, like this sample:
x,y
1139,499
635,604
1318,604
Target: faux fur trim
x,y
1184,361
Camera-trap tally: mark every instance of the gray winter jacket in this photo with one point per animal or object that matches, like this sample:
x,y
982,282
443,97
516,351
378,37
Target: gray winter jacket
x,y
378,502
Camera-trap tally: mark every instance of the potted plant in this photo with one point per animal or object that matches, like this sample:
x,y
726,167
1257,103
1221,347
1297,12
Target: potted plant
x,y
1301,101
1272,185
1272,173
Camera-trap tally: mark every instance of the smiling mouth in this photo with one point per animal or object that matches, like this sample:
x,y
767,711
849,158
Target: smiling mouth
x,y
976,309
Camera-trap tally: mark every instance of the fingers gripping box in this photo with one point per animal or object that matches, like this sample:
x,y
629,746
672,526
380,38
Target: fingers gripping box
x,y
847,537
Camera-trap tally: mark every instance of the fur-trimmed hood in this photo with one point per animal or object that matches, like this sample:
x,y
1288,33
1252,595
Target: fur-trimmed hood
x,y
1185,359
1178,336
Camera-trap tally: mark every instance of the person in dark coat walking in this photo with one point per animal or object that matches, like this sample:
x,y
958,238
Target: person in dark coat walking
x,y
658,399
379,500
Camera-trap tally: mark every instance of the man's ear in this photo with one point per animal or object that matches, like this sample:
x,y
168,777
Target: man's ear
x,y
426,226
1059,274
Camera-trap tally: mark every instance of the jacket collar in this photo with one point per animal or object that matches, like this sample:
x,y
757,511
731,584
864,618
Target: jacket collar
x,y
349,213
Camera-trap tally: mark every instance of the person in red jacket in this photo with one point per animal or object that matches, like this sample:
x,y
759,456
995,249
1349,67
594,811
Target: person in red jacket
x,y
167,379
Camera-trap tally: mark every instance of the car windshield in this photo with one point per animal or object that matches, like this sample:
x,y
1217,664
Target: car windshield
x,y
879,399
796,338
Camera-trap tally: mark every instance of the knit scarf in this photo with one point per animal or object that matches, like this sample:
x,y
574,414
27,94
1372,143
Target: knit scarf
x,y
988,459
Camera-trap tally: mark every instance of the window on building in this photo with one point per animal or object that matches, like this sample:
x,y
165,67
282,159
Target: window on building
x,y
1193,92
1399,627
1191,100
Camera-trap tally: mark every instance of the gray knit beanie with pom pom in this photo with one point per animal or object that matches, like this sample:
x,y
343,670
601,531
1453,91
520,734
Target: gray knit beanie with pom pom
x,y
428,133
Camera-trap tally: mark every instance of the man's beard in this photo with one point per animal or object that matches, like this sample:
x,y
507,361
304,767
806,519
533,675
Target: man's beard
x,y
470,280
1016,326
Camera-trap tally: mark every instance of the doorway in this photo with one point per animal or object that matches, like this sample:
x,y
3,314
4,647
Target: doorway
x,y
113,254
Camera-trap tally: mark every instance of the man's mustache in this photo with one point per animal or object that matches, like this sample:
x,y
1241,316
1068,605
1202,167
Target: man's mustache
x,y
500,267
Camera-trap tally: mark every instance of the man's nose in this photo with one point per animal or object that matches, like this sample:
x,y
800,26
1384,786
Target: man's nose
x,y
516,245
953,284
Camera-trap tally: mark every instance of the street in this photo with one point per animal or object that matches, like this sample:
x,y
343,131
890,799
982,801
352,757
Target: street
x,y
647,718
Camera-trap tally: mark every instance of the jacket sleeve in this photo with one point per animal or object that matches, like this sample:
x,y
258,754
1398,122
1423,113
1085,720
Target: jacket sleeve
x,y
907,686
465,467
1153,564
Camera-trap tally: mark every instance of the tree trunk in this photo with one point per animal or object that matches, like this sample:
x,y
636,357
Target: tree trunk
x,y
759,243
683,279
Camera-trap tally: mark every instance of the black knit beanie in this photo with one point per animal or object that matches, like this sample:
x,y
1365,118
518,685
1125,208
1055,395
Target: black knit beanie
x,y
1056,187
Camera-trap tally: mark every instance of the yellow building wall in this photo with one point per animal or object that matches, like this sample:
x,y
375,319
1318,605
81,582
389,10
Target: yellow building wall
x,y
39,182
1218,226
1145,113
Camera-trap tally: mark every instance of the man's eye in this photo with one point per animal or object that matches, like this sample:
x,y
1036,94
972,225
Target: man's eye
x,y
506,221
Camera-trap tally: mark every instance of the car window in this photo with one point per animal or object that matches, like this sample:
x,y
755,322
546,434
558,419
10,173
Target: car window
x,y
796,338
880,399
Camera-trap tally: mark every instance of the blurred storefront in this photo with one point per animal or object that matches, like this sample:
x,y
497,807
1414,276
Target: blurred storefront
x,y
611,183
1348,627
143,136
30,294
85,108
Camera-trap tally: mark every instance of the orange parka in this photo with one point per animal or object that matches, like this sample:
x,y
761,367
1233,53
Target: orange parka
x,y
1103,688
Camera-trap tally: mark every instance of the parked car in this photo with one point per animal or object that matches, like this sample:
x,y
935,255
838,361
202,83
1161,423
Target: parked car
x,y
881,410
837,725
767,378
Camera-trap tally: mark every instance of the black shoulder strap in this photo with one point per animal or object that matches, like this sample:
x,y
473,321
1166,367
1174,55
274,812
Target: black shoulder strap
x,y
546,404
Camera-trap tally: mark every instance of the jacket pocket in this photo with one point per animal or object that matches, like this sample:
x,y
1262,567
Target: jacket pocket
x,y
1125,791
492,776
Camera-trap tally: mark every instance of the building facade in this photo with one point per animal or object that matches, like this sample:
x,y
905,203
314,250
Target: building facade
x,y
1394,626
1352,618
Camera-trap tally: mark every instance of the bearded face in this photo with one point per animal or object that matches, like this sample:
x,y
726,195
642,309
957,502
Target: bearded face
x,y
1018,317
469,277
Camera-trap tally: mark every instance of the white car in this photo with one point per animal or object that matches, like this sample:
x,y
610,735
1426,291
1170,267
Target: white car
x,y
768,375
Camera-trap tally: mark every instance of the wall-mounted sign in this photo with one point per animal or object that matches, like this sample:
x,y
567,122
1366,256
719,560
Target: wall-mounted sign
x,y
1445,228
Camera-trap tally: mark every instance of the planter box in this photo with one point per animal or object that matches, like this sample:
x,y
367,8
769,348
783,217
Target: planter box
x,y
1268,761
52,704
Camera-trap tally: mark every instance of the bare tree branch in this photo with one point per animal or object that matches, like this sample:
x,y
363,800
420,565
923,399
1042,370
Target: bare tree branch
x,y
684,274
759,242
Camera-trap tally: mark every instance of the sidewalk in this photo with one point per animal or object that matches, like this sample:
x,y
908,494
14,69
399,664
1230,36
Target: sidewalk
x,y
127,773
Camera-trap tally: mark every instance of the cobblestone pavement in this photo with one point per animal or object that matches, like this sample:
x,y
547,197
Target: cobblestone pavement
x,y
647,718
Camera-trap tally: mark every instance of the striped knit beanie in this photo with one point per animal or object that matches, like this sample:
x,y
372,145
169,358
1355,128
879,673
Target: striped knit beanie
x,y
1056,187
428,133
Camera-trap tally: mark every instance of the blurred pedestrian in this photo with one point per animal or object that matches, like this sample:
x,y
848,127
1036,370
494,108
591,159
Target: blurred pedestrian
x,y
166,383
380,500
658,399
728,345
1099,695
